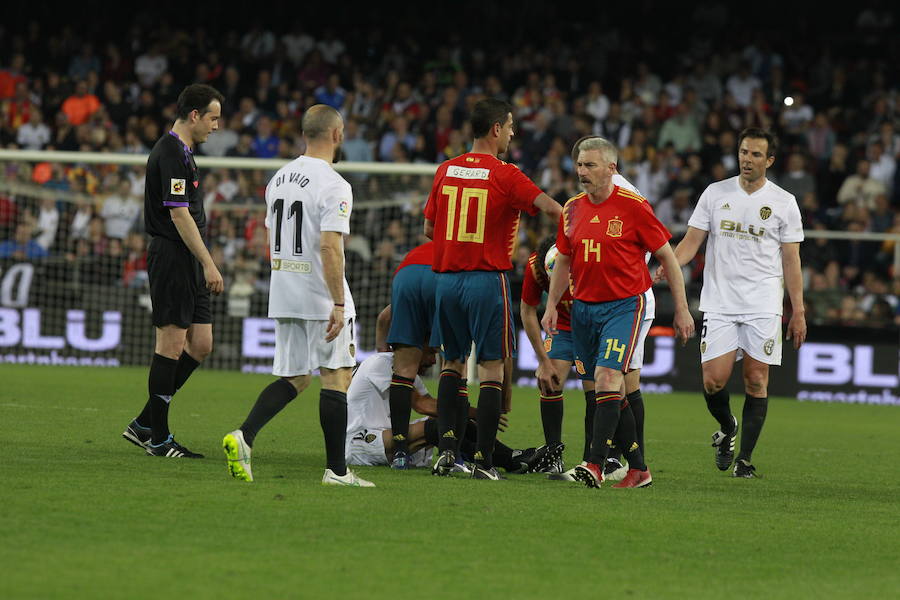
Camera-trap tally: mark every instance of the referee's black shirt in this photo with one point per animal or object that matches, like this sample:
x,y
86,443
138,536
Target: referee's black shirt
x,y
172,181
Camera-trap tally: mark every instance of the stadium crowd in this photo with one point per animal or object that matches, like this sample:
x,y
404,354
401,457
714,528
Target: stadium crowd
x,y
675,116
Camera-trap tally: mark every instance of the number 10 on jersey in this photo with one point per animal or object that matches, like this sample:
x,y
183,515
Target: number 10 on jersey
x,y
462,203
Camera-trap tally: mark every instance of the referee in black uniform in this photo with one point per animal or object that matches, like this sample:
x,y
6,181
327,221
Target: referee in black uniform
x,y
182,273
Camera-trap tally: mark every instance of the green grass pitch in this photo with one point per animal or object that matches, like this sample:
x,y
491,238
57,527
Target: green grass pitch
x,y
86,515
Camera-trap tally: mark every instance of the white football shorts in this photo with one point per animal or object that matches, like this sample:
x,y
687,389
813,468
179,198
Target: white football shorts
x,y
758,334
637,357
300,347
366,448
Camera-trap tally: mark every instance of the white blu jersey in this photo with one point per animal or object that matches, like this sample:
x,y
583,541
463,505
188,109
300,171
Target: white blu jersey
x,y
743,272
368,405
649,296
303,199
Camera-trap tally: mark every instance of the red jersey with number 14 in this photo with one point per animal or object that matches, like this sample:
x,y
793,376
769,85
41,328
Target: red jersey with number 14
x,y
475,203
535,283
607,243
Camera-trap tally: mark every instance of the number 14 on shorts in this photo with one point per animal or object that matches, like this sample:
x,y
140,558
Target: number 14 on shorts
x,y
614,346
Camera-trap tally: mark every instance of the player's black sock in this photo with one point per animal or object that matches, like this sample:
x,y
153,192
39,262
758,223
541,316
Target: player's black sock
x,y
461,424
270,402
333,419
400,401
161,386
448,394
590,407
636,401
503,456
552,416
753,418
431,432
626,438
720,408
186,366
606,419
490,401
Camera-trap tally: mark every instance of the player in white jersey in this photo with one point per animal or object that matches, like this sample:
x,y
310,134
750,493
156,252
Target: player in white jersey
x,y
753,232
308,209
370,438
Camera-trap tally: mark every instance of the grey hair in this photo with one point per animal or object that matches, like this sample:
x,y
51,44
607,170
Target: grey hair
x,y
595,142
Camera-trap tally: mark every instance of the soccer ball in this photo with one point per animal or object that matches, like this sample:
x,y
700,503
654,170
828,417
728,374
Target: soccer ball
x,y
550,260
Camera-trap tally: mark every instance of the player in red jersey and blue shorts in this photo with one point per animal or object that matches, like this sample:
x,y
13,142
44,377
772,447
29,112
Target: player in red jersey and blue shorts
x,y
472,214
603,236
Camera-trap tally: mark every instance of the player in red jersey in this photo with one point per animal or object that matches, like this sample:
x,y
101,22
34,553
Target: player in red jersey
x,y
602,238
472,214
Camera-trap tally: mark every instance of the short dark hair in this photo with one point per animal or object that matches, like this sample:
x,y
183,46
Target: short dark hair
x,y
197,96
756,133
487,112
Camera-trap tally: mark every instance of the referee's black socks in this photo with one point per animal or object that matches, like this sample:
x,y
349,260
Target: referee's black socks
x,y
186,365
333,418
270,402
400,403
161,388
720,408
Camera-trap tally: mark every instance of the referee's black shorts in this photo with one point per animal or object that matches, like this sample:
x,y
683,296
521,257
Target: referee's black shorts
x,y
177,286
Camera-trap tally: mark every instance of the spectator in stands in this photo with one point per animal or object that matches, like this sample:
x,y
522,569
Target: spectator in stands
x,y
675,210
681,131
47,224
398,134
120,208
81,105
265,144
149,66
861,188
34,134
331,93
820,139
22,246
796,179
882,165
741,85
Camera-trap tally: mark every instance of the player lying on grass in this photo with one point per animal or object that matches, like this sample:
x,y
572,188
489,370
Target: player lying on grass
x,y
369,435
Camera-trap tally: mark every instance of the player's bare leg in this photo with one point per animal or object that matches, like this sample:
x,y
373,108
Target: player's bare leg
x,y
756,402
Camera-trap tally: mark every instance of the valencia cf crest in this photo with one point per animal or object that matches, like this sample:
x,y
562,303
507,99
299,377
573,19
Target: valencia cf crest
x,y
352,350
769,346
614,228
370,437
548,343
765,212
702,347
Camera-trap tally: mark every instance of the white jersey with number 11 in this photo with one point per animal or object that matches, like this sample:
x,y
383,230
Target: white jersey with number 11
x,y
303,199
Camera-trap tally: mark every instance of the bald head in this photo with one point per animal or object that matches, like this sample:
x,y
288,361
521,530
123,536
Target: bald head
x,y
319,120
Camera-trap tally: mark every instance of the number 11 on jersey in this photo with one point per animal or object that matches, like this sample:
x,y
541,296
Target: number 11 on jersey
x,y
296,212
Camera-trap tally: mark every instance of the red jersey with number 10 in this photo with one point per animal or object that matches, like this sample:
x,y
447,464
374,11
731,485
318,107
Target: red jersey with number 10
x,y
607,243
475,203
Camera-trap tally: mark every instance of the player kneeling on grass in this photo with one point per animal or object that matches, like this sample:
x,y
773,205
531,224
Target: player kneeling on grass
x,y
370,438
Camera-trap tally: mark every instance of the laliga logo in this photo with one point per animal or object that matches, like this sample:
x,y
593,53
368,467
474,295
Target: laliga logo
x,y
25,329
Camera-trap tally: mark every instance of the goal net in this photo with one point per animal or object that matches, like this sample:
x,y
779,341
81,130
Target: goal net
x,y
73,280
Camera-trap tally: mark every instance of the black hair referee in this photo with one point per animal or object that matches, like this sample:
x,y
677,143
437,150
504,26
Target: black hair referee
x,y
182,272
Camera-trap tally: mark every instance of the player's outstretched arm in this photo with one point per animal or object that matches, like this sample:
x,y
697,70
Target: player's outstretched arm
x,y
793,282
548,206
684,322
424,405
332,243
190,235
686,250
382,327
